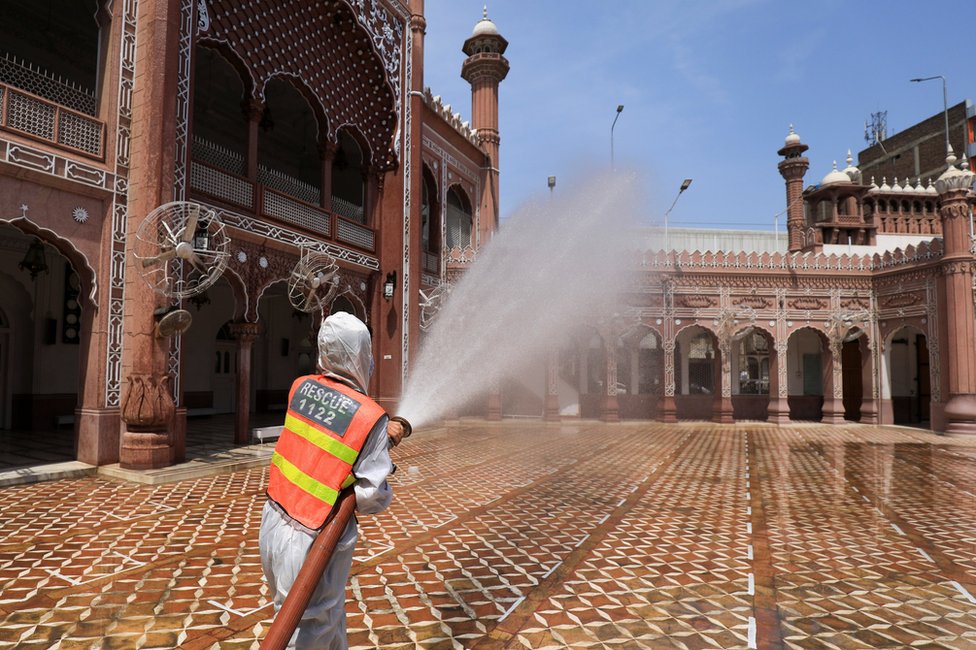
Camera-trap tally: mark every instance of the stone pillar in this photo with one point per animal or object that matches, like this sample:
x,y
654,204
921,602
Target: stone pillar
x,y
494,400
956,301
778,411
869,396
609,408
551,412
253,110
669,410
833,405
722,399
147,405
327,152
245,335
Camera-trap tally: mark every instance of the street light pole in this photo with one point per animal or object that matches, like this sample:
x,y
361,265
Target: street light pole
x,y
945,105
667,240
620,108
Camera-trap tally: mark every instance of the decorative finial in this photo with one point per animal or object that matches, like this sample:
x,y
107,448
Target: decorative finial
x,y
850,159
964,163
950,156
484,12
835,165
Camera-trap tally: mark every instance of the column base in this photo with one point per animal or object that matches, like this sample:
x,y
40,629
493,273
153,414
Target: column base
x,y
722,411
669,411
960,415
97,435
869,411
551,412
610,411
145,450
833,411
778,411
178,453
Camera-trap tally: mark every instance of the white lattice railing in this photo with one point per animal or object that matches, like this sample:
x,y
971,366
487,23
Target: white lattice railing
x,y
355,234
289,185
217,156
221,185
347,209
285,208
44,120
39,82
432,262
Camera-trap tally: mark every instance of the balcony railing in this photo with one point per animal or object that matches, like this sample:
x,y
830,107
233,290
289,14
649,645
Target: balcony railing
x,y
276,205
41,119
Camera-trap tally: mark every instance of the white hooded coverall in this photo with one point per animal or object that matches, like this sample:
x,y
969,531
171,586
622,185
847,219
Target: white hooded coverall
x,y
345,354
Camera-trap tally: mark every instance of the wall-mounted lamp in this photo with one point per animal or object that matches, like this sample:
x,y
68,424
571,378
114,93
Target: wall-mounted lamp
x,y
389,285
34,259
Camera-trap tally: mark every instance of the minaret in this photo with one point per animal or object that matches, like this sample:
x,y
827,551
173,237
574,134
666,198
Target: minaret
x,y
484,69
793,167
956,305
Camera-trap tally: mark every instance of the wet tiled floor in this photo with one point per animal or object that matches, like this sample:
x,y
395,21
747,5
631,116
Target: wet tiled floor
x,y
526,535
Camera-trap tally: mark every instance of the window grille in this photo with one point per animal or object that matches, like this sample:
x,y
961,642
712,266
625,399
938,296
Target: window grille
x,y
221,185
289,185
458,228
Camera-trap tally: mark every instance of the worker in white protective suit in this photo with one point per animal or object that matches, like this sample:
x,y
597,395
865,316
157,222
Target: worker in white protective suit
x,y
328,410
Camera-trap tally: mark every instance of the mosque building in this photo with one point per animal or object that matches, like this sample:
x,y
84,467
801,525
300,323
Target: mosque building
x,y
167,167
296,128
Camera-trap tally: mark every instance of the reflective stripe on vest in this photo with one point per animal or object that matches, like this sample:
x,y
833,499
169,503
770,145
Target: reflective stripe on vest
x,y
325,428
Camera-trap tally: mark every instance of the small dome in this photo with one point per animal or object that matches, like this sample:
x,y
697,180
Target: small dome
x,y
835,177
485,26
930,188
874,186
884,185
896,187
793,137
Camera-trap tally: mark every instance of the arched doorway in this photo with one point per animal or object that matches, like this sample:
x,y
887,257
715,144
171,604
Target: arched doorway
x,y
908,378
640,359
44,315
696,373
854,356
805,357
750,365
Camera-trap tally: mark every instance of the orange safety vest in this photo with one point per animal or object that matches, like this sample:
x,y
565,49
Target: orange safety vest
x,y
325,428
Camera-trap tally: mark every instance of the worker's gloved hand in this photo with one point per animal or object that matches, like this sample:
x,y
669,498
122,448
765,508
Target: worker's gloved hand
x,y
397,429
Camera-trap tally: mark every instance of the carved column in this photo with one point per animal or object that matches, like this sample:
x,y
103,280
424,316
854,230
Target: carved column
x,y
669,410
722,401
253,111
609,408
147,410
494,400
833,404
869,395
956,301
779,405
245,335
327,152
551,412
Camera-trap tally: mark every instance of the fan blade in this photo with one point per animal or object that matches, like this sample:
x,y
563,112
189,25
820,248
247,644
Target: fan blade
x,y
191,223
198,263
162,257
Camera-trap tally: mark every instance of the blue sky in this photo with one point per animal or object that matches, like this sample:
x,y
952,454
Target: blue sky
x,y
709,87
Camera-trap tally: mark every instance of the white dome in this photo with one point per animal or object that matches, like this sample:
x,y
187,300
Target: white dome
x,y
835,177
793,137
896,187
485,26
874,186
884,185
930,188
